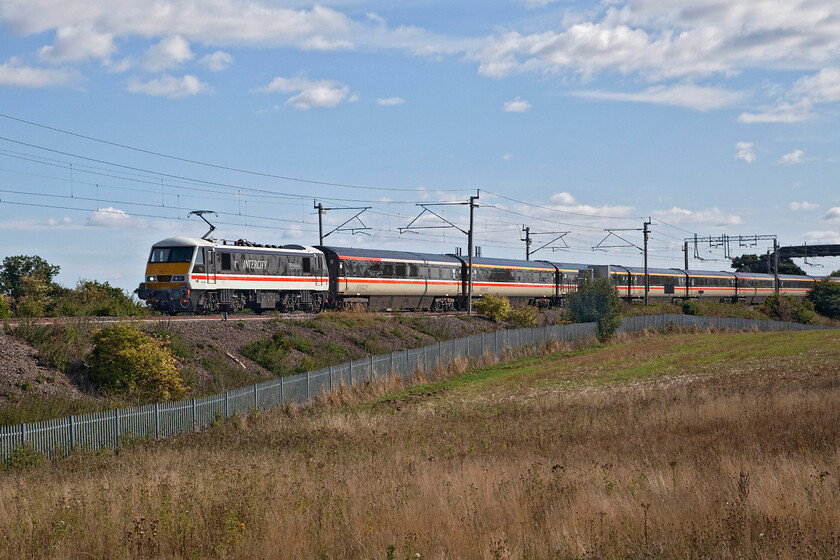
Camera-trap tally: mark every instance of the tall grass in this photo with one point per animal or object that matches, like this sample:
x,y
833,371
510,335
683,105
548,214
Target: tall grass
x,y
732,455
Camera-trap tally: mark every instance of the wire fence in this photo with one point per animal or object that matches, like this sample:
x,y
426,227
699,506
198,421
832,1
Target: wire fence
x,y
103,430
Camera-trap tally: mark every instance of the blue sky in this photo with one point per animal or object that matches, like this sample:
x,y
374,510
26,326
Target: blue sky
x,y
708,116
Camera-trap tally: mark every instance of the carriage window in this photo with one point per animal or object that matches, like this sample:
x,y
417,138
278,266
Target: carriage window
x,y
307,265
413,271
400,270
226,261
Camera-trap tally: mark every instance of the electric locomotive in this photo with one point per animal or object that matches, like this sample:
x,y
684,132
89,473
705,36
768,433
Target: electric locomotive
x,y
209,275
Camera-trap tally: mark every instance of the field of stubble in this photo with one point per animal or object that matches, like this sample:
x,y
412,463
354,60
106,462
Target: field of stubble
x,y
683,445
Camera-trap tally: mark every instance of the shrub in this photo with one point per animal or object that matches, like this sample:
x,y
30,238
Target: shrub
x,y
523,316
24,457
496,308
5,311
596,301
126,361
91,298
825,295
691,307
786,308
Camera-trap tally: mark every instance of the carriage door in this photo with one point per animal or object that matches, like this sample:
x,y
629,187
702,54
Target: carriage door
x,y
210,259
319,270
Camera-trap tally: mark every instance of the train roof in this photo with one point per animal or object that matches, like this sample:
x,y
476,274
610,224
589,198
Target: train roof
x,y
657,271
569,266
380,255
509,263
239,244
711,273
760,275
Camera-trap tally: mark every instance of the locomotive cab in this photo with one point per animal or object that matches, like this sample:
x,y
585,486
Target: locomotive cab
x,y
167,279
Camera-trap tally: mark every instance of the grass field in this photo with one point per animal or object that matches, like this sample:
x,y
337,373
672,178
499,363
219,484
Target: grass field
x,y
683,445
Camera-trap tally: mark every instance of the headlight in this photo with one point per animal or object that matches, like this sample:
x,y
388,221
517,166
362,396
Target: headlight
x,y
151,278
179,278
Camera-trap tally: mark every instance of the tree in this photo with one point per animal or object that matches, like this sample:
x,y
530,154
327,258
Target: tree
x,y
28,281
597,301
826,298
754,263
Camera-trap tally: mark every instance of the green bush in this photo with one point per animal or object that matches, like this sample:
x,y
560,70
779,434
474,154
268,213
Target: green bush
x,y
523,316
596,301
91,298
496,308
825,295
5,311
786,308
24,457
691,307
128,362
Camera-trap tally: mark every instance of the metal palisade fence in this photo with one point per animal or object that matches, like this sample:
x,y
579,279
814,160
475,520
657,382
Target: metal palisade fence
x,y
102,430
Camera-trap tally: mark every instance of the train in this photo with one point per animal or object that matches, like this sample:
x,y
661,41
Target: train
x,y
206,275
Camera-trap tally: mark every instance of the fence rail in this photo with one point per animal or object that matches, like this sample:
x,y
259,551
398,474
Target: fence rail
x,y
102,430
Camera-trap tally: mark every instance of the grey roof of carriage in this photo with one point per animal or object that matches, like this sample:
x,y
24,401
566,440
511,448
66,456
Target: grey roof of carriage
x,y
352,252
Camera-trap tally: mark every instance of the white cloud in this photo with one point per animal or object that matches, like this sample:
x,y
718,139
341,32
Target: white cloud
x,y
216,22
832,215
783,113
507,157
711,216
686,95
806,206
668,40
170,86
792,158
169,53
15,73
322,93
78,44
319,43
517,105
822,237
563,198
219,61
745,151
109,217
391,101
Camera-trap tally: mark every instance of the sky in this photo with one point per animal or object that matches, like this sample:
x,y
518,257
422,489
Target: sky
x,y
579,120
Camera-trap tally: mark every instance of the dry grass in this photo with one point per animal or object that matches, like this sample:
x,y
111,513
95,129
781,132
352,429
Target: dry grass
x,y
689,445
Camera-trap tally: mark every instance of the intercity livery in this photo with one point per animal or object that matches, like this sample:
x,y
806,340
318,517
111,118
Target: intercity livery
x,y
185,274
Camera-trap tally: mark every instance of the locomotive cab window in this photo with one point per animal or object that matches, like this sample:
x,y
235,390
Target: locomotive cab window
x,y
226,261
171,254
307,265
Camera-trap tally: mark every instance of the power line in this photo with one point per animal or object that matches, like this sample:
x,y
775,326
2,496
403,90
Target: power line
x,y
213,165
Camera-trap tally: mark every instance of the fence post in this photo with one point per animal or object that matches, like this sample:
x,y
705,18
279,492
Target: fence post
x,y
371,377
116,427
157,422
281,391
226,406
307,386
351,372
329,368
72,434
22,433
194,416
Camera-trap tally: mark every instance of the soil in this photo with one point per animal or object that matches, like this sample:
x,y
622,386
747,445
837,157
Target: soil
x,y
21,373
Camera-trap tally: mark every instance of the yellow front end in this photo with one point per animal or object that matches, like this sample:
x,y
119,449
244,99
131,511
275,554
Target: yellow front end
x,y
163,276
